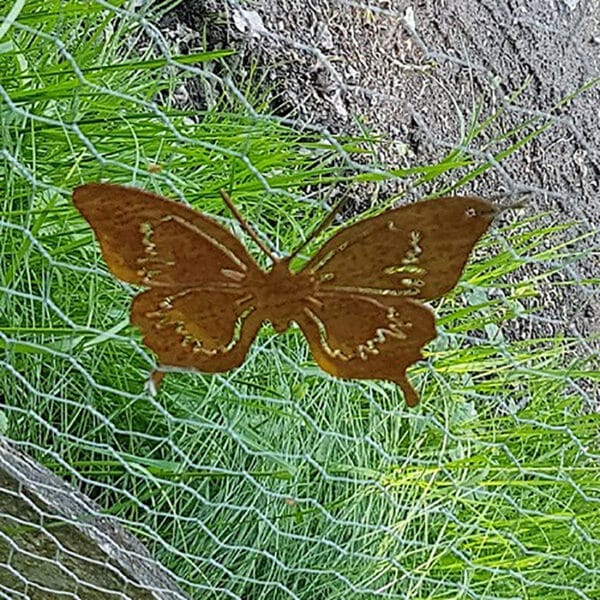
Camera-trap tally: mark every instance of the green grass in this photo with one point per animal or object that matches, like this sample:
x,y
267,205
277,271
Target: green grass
x,y
275,478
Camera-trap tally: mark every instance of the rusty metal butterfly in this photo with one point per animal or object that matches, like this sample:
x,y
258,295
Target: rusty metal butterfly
x,y
358,300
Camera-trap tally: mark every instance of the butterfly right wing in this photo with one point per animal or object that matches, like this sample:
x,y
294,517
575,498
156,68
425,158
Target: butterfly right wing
x,y
198,312
418,250
365,320
365,337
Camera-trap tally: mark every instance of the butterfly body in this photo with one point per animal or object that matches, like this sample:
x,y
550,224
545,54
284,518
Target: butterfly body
x,y
284,295
358,300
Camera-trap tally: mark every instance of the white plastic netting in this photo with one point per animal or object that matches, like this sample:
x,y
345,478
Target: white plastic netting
x,y
276,480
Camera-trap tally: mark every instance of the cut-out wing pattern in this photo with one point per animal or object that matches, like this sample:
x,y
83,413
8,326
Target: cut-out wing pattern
x,y
356,300
416,251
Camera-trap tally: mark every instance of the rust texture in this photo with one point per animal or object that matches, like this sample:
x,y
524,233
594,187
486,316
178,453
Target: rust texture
x,y
358,300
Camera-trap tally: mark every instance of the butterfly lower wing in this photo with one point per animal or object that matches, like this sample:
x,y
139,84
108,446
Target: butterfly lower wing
x,y
153,241
209,331
362,337
416,251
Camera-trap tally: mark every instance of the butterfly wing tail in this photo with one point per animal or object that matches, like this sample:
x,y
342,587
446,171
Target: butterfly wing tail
x,y
410,394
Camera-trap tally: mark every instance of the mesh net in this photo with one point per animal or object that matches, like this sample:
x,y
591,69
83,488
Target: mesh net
x,y
276,480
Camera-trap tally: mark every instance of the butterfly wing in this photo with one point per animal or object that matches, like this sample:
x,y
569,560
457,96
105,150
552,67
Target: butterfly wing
x,y
364,319
152,241
362,337
198,311
415,251
209,331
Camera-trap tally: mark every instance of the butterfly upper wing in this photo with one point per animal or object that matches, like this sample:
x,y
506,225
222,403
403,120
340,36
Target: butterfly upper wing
x,y
360,337
417,251
198,312
152,241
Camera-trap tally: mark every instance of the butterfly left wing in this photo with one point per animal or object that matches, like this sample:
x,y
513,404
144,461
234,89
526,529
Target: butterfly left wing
x,y
156,242
199,312
362,337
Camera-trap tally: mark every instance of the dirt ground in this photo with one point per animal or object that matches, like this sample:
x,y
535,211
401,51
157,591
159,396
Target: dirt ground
x,y
413,74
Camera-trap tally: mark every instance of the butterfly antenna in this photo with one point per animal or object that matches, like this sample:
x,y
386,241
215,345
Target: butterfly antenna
x,y
324,224
246,226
